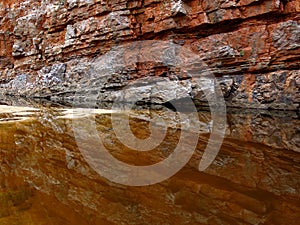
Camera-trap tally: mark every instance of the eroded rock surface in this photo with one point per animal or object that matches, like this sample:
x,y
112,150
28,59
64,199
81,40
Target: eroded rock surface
x,y
251,46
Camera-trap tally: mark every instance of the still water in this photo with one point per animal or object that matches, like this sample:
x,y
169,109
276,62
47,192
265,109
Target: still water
x,y
44,178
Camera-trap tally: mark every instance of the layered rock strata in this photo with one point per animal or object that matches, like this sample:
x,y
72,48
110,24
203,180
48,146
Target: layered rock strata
x,y
251,46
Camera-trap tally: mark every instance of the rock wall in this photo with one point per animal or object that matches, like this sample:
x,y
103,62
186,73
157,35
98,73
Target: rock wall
x,y
251,46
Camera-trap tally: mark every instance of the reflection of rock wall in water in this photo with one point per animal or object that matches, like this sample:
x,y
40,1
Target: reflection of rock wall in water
x,y
252,46
249,183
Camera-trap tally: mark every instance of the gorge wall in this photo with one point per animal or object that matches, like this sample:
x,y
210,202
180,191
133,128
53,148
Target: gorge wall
x,y
252,47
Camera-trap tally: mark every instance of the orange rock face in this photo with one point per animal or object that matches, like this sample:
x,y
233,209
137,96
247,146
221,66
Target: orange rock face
x,y
239,40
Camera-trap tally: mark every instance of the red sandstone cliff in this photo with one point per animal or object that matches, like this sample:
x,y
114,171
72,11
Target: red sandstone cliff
x,y
252,46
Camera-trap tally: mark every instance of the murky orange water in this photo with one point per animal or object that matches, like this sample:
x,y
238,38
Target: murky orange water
x,y
44,179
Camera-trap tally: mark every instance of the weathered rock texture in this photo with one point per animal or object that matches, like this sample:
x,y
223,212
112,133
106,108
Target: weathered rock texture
x,y
252,46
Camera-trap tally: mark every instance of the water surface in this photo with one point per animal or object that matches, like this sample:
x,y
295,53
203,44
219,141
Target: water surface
x,y
44,178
